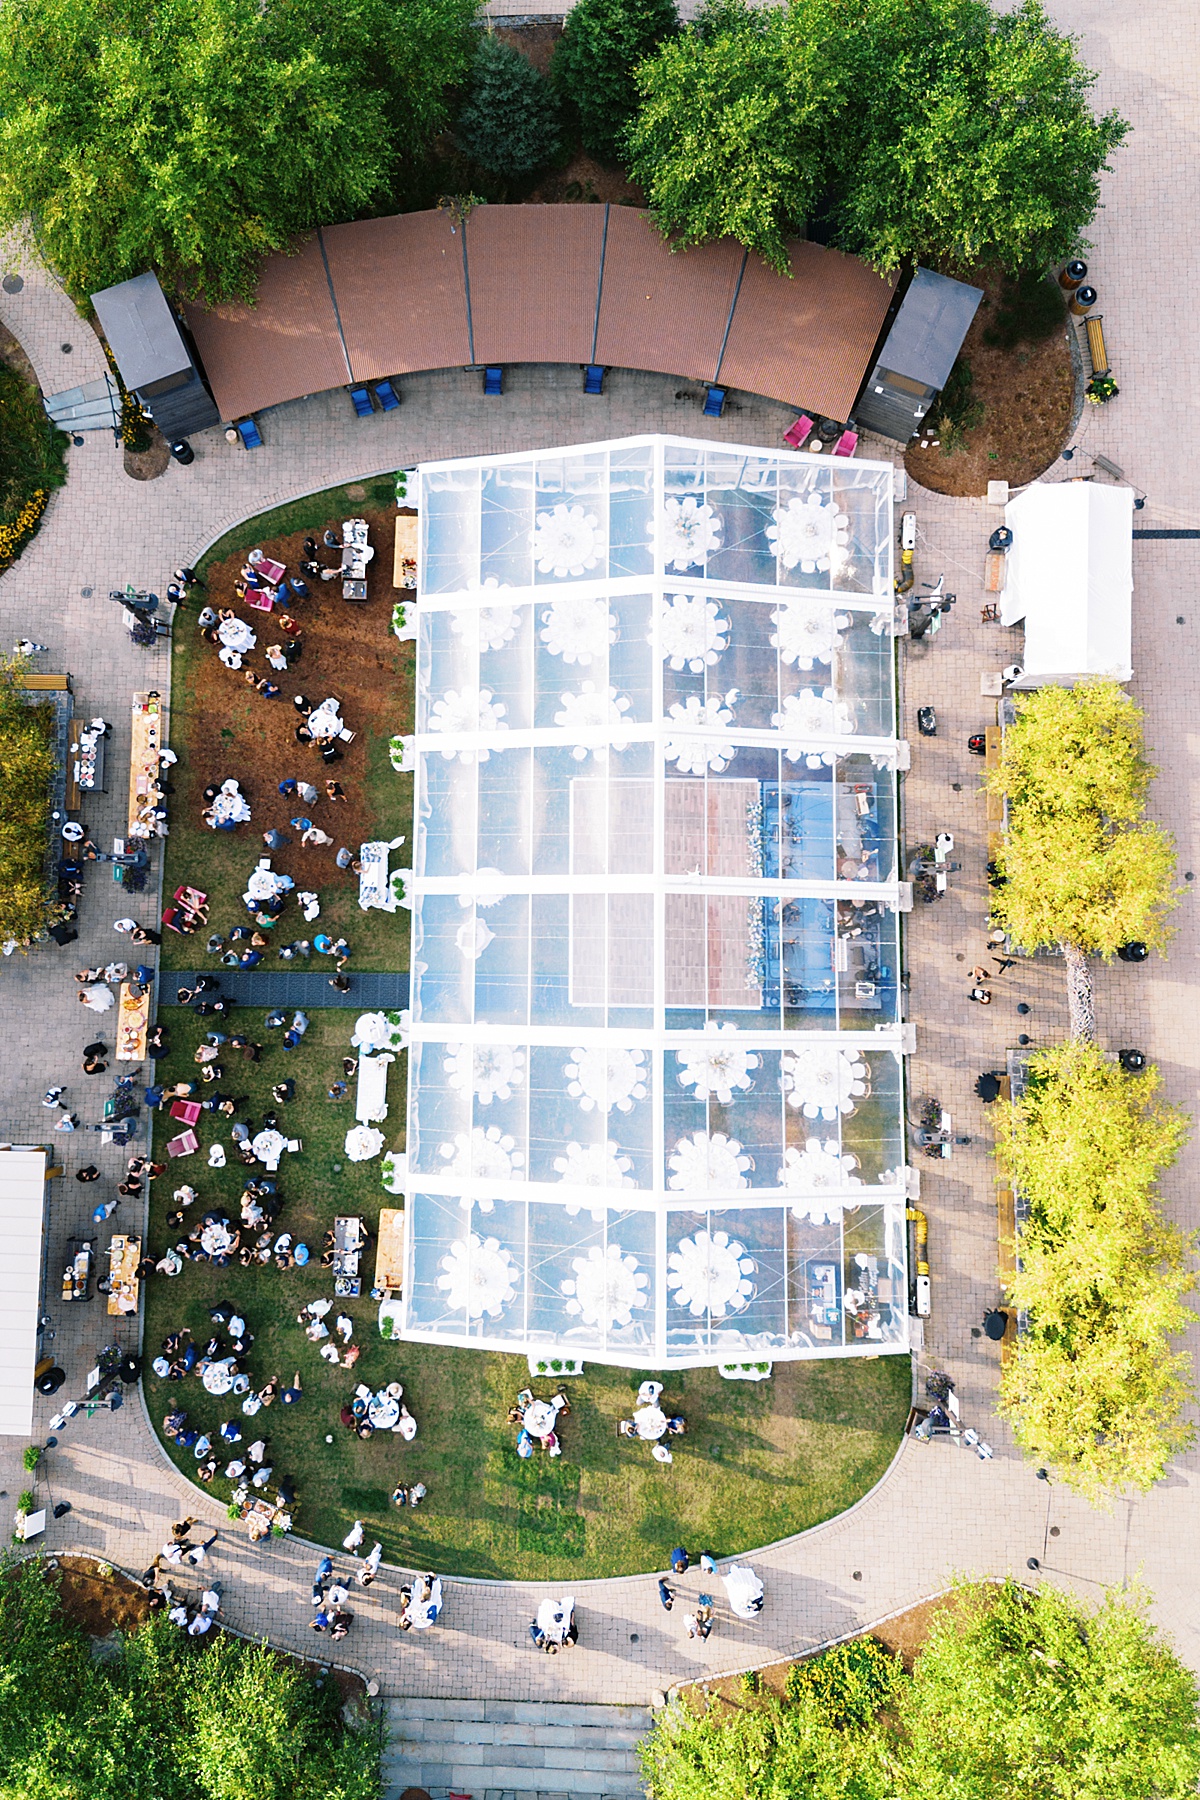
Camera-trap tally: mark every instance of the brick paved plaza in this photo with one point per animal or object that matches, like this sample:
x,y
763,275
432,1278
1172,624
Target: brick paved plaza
x,y
939,1511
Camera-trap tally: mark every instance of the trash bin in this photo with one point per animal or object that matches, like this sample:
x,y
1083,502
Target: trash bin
x,y
1082,301
1072,275
183,452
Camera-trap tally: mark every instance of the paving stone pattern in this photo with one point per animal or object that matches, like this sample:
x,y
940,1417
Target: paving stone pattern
x,y
938,1510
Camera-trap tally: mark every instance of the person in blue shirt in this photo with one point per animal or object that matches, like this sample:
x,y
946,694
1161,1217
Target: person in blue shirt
x,y
288,787
250,959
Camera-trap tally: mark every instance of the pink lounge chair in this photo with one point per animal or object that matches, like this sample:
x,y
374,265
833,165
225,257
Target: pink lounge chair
x,y
847,444
186,1144
187,1110
798,430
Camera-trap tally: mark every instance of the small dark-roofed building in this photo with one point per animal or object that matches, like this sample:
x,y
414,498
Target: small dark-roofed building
x,y
154,358
917,355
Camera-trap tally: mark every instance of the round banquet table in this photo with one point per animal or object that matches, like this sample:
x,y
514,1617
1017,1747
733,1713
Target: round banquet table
x,y
236,634
265,884
383,1411
230,806
538,1418
217,1378
651,1422
269,1146
217,1239
326,720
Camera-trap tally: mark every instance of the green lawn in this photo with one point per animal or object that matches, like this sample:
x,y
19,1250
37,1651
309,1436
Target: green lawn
x,y
758,1461
220,862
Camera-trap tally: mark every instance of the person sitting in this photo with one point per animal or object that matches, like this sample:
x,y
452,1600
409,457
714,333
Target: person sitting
x,y
406,1426
676,1427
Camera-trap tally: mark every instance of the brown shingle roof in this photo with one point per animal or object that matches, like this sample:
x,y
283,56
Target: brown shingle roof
x,y
808,340
284,346
711,313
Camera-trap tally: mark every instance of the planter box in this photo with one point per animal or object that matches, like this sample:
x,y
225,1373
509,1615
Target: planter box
x,y
555,1368
747,1371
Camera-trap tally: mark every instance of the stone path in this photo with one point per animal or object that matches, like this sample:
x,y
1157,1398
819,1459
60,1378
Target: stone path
x,y
938,1510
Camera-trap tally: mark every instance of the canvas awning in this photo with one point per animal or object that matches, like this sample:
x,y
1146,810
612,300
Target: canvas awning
x,y
1070,577
22,1192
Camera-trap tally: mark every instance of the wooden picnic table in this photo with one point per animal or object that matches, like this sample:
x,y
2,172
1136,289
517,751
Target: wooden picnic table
x,y
389,1251
133,1022
124,1255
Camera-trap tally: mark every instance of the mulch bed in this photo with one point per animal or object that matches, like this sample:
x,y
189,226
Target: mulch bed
x,y
223,728
903,1635
1028,396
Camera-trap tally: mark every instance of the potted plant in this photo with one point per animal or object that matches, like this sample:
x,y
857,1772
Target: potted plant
x,y
1101,389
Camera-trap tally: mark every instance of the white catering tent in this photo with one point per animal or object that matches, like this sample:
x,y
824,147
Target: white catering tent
x,y
22,1192
1070,577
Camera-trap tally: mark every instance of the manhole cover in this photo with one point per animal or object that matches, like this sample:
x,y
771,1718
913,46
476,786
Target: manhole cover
x,y
12,284
66,349
86,593
357,492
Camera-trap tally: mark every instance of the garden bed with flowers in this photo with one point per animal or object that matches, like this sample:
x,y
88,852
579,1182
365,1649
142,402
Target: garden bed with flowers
x,y
32,453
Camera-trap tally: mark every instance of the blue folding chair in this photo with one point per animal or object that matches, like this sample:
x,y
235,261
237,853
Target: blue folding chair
x,y
593,378
493,381
714,403
387,396
362,402
249,433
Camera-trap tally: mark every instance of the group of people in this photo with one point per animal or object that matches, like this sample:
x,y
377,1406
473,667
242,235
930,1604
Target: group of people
x,y
197,1615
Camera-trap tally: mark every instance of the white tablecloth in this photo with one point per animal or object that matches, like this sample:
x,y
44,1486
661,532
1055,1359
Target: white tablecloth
x,y
383,1411
326,720
236,634
539,1418
651,1422
554,1617
217,1378
216,1238
371,1100
269,1146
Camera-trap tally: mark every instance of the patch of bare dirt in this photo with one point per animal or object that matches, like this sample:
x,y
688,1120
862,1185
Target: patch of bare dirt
x,y
148,464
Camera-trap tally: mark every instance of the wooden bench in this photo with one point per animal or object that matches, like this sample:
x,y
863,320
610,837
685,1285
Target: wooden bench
x,y
1097,349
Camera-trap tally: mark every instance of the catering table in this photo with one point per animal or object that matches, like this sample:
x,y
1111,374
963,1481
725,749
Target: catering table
x,y
374,881
349,1236
78,1270
389,1251
404,565
143,762
356,554
124,1255
133,1023
371,1098
88,767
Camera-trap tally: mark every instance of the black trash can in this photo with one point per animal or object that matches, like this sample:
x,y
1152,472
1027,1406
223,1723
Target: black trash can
x,y
183,452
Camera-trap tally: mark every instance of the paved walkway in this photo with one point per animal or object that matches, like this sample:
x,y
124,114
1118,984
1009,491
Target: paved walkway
x,y
938,1511
294,987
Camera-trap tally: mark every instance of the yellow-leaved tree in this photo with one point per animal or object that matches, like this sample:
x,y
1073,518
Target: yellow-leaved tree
x,y
1094,1387
1081,866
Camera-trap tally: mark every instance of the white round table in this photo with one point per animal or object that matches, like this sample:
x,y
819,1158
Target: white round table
x,y
236,634
326,720
554,1618
269,1146
216,1239
217,1378
383,1411
651,1422
539,1418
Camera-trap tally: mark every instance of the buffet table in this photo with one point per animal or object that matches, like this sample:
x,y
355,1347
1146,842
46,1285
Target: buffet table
x,y
133,1022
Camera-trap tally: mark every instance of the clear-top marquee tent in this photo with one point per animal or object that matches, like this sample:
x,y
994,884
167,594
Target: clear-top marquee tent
x,y
655,1107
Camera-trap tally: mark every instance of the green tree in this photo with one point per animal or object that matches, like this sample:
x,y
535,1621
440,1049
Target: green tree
x,y
1094,1387
763,1751
936,130
1082,868
730,138
1037,1696
194,136
509,123
974,141
602,43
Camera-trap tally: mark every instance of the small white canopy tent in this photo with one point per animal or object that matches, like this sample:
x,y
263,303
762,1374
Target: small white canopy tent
x,y
1070,577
